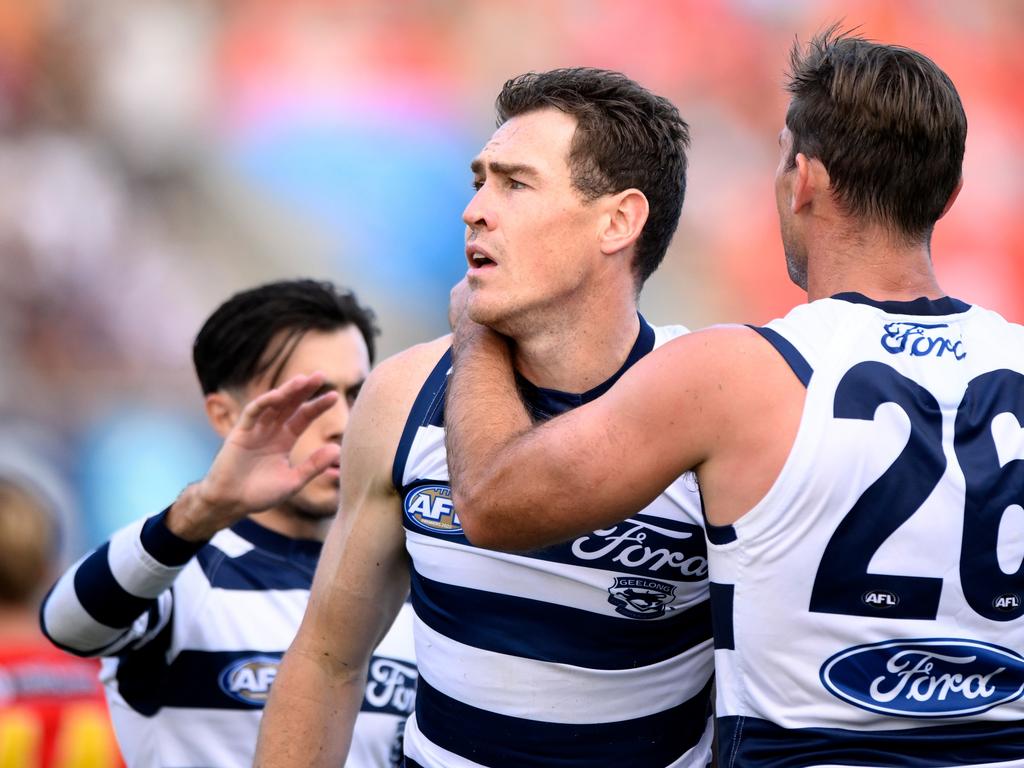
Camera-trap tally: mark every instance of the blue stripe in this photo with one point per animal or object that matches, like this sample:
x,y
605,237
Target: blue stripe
x,y
721,615
428,407
789,353
142,673
255,570
945,305
533,629
103,598
754,743
193,679
164,546
500,740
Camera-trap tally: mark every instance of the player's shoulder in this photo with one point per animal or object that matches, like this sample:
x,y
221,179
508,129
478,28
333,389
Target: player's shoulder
x,y
390,391
399,378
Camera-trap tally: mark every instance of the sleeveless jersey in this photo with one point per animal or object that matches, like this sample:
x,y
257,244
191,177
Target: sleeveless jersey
x,y
192,636
596,652
869,610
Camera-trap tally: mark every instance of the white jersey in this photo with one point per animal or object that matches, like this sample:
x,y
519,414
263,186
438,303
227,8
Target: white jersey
x,y
192,636
869,610
596,652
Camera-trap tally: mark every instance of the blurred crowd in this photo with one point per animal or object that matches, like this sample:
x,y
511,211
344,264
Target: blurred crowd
x,y
158,155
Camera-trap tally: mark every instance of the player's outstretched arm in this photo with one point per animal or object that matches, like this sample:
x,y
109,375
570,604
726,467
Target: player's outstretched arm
x,y
360,584
118,595
517,485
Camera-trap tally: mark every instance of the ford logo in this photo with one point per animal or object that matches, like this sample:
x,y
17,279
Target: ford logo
x,y
939,677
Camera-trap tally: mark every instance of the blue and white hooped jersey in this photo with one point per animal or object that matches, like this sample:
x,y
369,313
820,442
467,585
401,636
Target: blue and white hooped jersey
x,y
869,610
595,652
192,634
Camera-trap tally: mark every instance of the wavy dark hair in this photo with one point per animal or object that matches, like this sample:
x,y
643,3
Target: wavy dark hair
x,y
234,346
886,123
626,137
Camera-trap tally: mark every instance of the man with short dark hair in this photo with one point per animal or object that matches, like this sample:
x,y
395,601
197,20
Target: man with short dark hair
x,y
193,608
861,461
595,653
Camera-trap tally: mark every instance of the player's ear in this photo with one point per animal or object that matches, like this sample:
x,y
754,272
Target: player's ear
x,y
222,411
626,215
952,197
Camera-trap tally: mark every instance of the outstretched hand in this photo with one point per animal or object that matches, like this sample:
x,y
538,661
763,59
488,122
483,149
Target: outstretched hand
x,y
252,471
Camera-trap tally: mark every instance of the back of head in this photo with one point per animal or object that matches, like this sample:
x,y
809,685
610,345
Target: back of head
x,y
886,123
626,137
27,543
255,330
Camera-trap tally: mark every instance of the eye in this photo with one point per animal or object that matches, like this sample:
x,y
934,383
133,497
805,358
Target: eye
x,y
516,184
477,183
324,389
352,393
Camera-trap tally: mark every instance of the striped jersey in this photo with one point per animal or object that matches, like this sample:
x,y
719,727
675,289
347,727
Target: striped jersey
x,y
868,610
192,634
595,652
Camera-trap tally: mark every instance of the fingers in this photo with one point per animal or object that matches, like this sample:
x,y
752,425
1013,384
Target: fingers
x,y
282,401
321,459
310,411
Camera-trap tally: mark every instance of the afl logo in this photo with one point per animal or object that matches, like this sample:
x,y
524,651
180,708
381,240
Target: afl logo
x,y
430,507
880,598
1008,602
249,680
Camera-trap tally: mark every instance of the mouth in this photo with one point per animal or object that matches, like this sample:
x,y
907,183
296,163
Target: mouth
x,y
478,258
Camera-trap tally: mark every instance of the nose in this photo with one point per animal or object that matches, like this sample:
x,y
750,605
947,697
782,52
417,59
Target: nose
x,y
478,214
334,420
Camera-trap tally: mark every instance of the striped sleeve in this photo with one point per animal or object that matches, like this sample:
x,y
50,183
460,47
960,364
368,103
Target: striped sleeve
x,y
118,594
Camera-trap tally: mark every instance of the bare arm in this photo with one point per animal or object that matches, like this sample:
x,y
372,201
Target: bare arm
x,y
360,584
684,406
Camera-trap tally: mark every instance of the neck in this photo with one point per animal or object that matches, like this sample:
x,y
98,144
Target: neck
x,y
870,262
580,348
291,524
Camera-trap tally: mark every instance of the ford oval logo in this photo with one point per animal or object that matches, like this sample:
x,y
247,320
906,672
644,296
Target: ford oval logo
x,y
931,677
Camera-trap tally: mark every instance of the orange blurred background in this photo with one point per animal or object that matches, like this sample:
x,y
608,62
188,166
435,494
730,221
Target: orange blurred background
x,y
161,154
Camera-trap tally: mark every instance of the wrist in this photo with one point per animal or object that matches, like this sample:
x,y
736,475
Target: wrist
x,y
194,516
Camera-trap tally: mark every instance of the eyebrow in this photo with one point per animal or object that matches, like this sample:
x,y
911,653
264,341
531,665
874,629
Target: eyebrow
x,y
503,169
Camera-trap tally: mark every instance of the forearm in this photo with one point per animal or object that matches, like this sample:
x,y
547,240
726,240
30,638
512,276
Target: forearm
x,y
309,718
92,608
484,419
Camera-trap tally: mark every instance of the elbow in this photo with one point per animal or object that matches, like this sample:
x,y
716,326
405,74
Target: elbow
x,y
479,522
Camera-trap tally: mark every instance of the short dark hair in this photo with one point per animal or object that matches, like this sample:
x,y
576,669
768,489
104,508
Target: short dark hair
x,y
625,137
886,123
231,348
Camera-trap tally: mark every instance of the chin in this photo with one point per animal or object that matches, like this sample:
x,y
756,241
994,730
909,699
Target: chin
x,y
316,506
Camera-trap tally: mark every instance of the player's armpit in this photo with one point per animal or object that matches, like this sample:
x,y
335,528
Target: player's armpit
x,y
361,581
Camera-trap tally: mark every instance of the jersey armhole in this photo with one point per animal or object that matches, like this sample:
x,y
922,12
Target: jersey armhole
x,y
424,409
797,362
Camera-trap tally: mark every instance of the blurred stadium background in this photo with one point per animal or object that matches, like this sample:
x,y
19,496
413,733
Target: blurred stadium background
x,y
157,155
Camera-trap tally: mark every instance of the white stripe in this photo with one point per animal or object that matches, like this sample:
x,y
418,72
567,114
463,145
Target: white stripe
x,y
228,620
426,460
231,544
69,623
573,586
557,693
137,571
